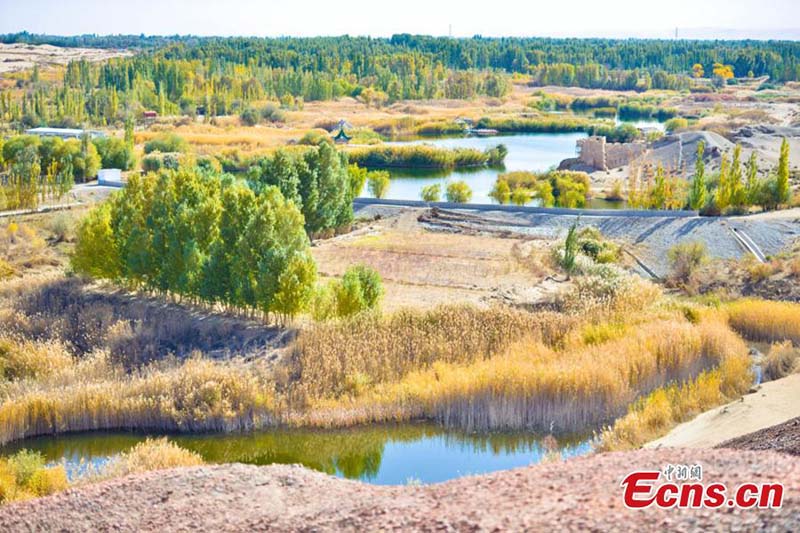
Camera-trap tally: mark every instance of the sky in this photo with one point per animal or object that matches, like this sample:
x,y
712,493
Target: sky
x,y
761,19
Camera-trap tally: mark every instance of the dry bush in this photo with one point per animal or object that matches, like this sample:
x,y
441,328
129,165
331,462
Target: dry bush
x,y
21,359
329,357
780,361
152,454
766,321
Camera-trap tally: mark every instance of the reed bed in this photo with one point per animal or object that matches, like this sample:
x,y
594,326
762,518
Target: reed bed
x,y
337,358
766,321
533,386
196,396
152,454
418,156
652,416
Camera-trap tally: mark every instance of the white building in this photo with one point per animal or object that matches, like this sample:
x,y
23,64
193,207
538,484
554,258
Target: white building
x,y
64,133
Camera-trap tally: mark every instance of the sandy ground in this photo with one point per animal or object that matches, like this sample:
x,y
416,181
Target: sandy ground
x,y
773,403
18,56
579,495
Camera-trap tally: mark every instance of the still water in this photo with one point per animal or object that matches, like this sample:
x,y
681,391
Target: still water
x,y
380,454
536,152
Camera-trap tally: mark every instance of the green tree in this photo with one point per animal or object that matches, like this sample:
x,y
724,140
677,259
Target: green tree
x,y
295,286
782,190
458,192
95,252
737,186
698,192
501,192
752,187
432,192
378,183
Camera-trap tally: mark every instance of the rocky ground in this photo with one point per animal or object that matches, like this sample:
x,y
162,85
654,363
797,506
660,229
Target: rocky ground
x,y
581,494
783,438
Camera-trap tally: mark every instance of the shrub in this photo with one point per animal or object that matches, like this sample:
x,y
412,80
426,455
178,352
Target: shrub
x,y
458,192
378,182
115,153
675,124
152,454
249,116
685,259
360,289
166,143
431,193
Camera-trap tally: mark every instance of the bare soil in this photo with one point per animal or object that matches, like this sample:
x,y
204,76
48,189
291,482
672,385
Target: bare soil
x,y
580,494
19,56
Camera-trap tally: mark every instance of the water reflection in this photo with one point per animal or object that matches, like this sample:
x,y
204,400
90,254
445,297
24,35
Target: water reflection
x,y
381,454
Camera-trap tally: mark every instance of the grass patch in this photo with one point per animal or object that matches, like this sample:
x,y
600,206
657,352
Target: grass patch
x,y
766,321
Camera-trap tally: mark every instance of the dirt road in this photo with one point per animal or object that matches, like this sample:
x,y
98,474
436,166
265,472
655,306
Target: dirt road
x,y
581,494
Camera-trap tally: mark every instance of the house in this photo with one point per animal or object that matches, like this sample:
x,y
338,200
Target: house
x,y
65,133
149,116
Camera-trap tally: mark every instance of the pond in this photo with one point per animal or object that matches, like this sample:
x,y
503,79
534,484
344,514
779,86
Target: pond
x,y
535,151
380,454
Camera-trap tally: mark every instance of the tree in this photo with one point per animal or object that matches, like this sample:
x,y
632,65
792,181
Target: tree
x,y
501,192
432,192
458,192
520,197
378,183
723,193
698,191
782,191
295,286
697,70
738,193
115,153
752,188
96,253
360,289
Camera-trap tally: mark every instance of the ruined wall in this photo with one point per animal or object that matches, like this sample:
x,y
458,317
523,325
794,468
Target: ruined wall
x,y
597,153
593,152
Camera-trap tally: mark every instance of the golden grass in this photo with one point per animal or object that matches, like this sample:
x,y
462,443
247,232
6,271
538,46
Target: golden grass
x,y
331,357
152,454
533,386
766,321
780,361
653,416
198,395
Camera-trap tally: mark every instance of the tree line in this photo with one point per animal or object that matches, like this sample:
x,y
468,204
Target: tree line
x,y
222,76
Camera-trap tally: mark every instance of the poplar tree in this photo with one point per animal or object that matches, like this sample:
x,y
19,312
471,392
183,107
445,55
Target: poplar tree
x,y
698,192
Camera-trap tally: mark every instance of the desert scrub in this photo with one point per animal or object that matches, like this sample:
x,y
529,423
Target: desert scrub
x,y
535,387
655,414
766,321
152,454
24,475
328,356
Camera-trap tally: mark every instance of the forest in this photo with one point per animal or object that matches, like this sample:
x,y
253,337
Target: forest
x,y
219,76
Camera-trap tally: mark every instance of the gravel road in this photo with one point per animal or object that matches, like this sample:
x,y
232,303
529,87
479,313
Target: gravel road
x,y
580,494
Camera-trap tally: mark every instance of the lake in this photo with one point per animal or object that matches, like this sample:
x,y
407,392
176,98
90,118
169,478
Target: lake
x,y
384,454
535,151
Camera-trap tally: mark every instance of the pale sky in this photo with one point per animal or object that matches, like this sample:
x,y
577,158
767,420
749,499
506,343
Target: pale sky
x,y
581,18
